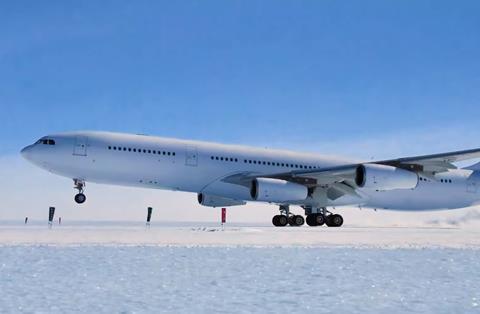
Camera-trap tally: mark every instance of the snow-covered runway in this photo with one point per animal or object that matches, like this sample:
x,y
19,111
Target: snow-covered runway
x,y
171,234
245,269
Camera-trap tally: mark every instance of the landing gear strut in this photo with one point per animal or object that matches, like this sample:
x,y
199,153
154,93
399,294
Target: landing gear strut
x,y
287,218
80,198
324,217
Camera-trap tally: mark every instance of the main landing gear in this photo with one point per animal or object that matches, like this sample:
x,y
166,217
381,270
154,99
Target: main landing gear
x,y
287,218
327,218
315,218
80,198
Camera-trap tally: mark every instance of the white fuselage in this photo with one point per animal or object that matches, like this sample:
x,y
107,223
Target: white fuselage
x,y
199,167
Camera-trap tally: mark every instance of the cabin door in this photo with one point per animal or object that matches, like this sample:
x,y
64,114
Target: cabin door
x,y
191,158
80,148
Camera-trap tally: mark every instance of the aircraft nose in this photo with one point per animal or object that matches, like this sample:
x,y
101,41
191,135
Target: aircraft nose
x,y
26,152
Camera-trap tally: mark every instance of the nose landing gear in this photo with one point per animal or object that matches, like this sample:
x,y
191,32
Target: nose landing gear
x,y
80,198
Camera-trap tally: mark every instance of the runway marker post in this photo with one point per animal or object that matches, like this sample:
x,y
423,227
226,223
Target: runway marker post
x,y
224,217
149,216
51,214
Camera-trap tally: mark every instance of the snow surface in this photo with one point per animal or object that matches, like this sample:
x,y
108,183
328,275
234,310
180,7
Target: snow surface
x,y
187,268
191,234
127,279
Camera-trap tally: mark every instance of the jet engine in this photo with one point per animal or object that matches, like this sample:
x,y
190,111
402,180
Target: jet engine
x,y
277,191
385,178
217,201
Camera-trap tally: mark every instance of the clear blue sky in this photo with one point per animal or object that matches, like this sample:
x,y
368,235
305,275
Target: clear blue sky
x,y
237,71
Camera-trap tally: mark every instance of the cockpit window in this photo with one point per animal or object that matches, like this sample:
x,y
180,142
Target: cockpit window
x,y
46,141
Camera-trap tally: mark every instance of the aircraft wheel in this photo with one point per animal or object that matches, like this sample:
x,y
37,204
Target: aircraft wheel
x,y
334,221
282,220
275,221
315,220
80,198
319,219
279,221
296,221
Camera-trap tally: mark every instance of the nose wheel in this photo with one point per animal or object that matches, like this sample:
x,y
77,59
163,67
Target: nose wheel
x,y
80,198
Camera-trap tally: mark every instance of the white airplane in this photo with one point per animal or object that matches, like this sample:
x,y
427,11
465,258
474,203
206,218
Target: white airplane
x,y
228,175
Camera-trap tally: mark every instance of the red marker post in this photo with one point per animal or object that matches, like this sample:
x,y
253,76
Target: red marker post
x,y
224,216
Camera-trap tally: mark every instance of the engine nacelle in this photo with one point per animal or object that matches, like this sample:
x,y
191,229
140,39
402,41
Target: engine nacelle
x,y
218,201
385,178
277,191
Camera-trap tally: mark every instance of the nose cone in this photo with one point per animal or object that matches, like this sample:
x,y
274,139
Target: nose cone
x,y
27,152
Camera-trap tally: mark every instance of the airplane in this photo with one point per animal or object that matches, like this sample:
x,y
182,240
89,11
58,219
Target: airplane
x,y
231,175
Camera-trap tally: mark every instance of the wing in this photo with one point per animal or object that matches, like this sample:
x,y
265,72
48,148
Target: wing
x,y
433,163
340,180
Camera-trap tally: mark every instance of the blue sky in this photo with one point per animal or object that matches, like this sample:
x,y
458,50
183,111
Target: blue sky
x,y
258,72
371,79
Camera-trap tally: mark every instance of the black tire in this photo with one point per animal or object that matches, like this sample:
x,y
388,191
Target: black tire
x,y
311,220
334,221
80,198
319,219
282,220
337,220
275,221
298,220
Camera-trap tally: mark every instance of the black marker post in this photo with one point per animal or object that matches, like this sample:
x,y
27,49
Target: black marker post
x,y
149,216
51,214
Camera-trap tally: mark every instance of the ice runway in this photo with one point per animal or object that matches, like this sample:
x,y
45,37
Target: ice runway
x,y
186,268
194,234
